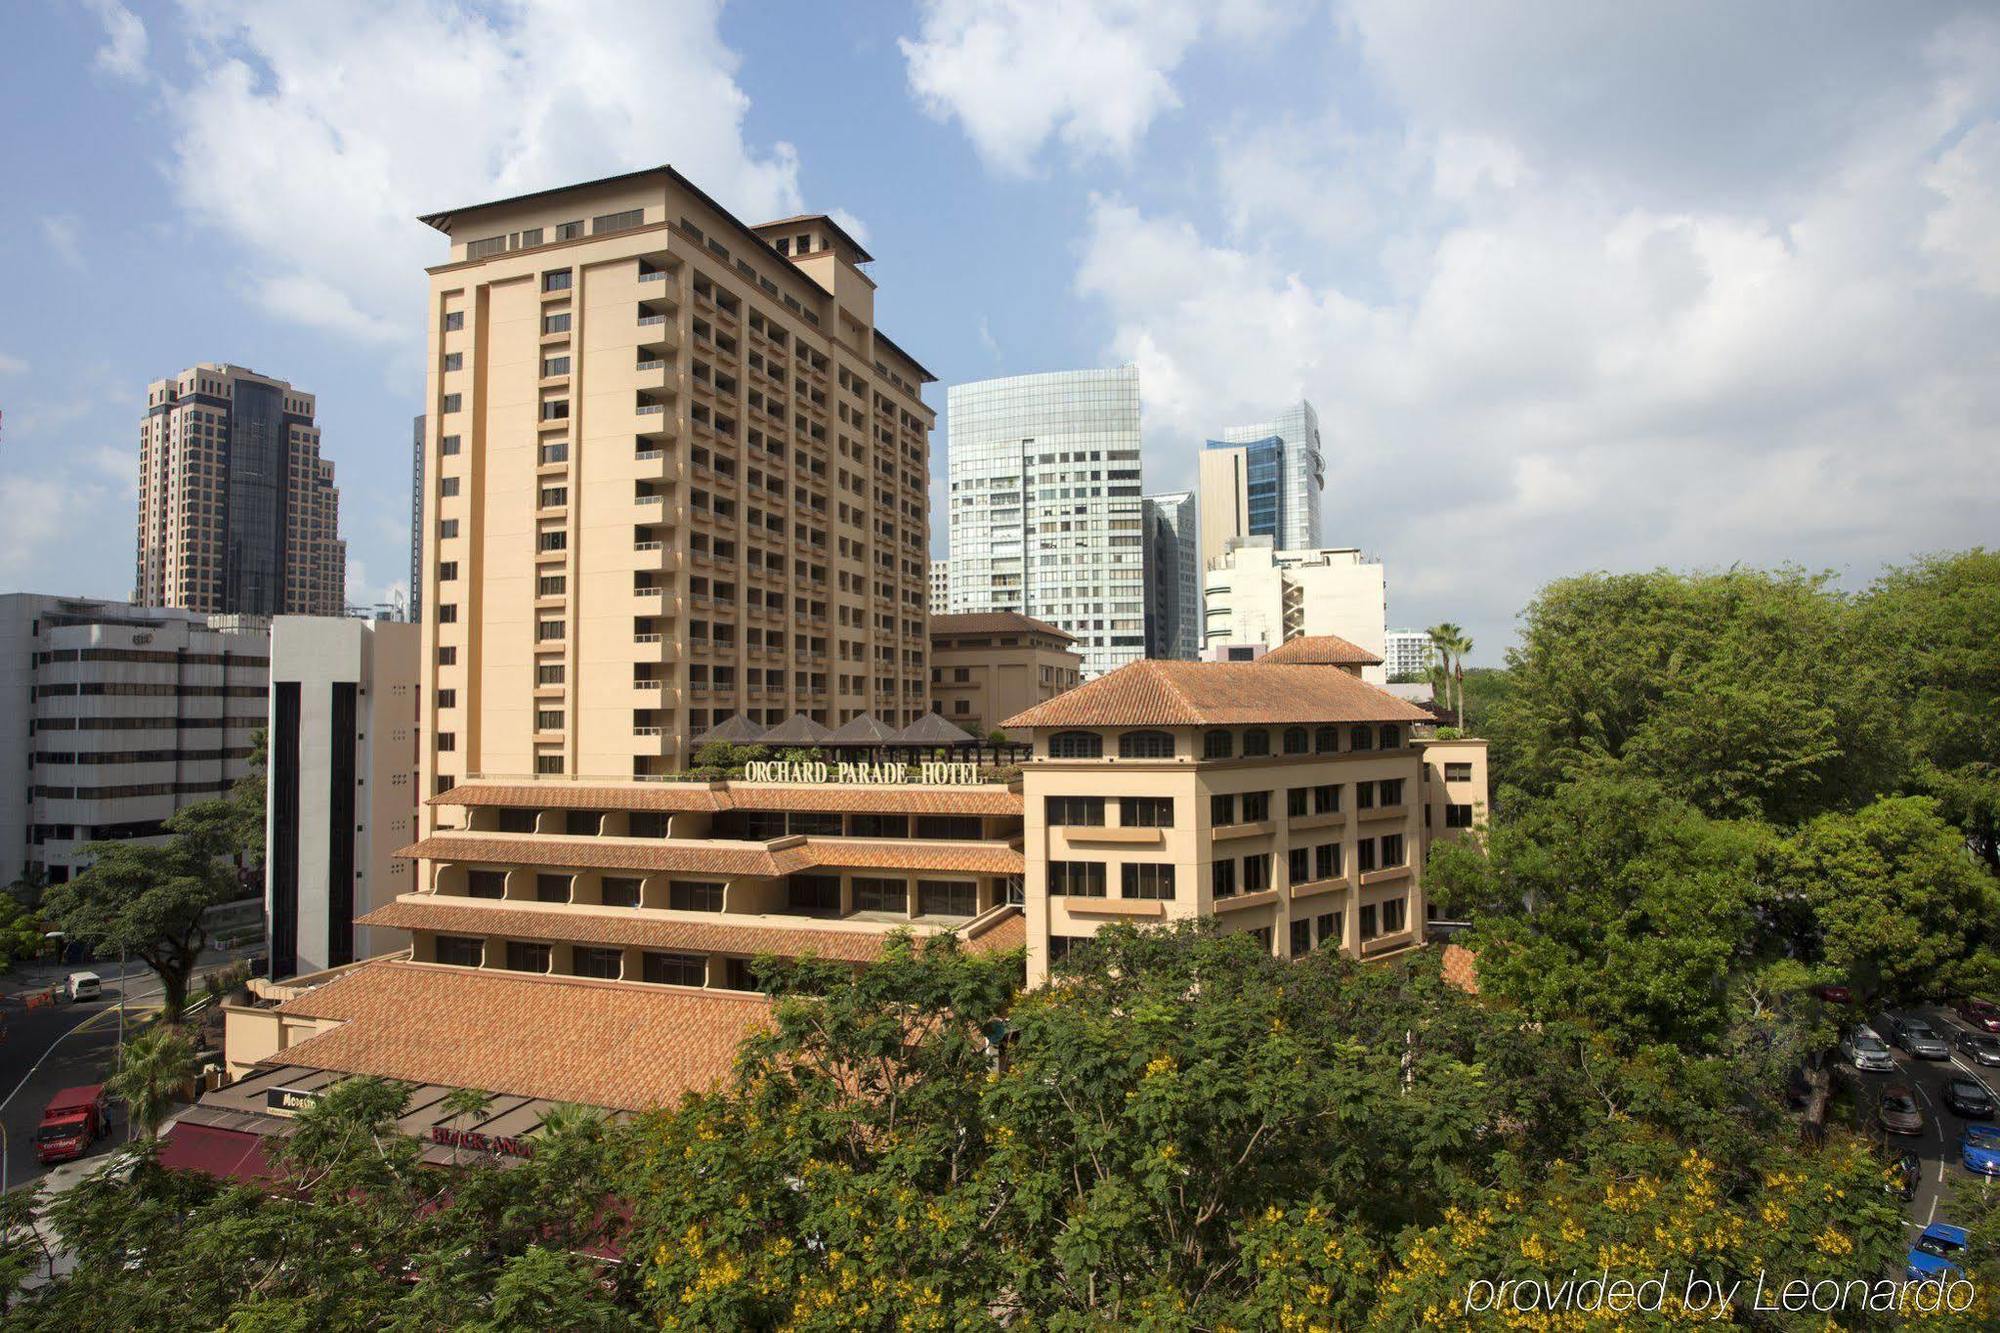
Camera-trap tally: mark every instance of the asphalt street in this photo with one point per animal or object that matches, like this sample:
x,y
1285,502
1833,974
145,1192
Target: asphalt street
x,y
1937,1145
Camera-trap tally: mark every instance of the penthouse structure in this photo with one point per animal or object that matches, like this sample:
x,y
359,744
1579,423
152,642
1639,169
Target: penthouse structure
x,y
674,475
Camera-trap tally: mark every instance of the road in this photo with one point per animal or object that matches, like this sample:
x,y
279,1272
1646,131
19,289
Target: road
x,y
62,1046
1937,1145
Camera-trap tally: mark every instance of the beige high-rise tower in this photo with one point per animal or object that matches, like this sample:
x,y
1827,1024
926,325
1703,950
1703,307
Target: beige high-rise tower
x,y
673,475
238,514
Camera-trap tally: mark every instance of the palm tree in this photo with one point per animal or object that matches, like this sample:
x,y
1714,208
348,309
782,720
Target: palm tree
x,y
1461,648
158,1064
1444,637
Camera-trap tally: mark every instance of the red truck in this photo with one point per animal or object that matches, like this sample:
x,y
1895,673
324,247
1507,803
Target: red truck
x,y
75,1119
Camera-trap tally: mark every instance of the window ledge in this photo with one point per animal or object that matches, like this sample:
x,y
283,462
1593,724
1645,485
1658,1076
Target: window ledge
x,y
1223,832
1138,837
1112,906
1236,901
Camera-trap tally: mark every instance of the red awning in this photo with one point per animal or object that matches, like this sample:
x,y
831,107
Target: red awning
x,y
224,1153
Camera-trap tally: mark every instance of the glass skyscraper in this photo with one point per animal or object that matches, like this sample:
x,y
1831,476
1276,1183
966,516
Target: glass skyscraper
x,y
1264,480
1173,578
1046,513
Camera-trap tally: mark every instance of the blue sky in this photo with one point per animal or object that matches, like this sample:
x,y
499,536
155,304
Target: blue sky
x,y
1573,286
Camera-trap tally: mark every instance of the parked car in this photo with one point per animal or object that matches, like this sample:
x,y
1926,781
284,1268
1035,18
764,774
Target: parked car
x,y
1968,1097
82,986
74,1119
1979,1015
1864,1048
1979,1047
1917,1037
1898,1110
1834,993
1936,1252
1979,1149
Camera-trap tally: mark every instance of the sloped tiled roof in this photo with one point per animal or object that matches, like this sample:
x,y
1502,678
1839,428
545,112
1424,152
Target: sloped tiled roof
x,y
481,916
1154,693
862,729
932,729
679,796
709,858
995,622
796,730
737,729
593,1042
1319,650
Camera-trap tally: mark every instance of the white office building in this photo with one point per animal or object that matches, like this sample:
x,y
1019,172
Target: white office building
x,y
343,786
1408,652
1046,512
940,587
1256,597
1173,577
1263,480
112,718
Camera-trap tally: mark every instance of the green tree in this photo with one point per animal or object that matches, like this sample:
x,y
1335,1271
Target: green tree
x,y
1451,645
158,1065
20,932
1896,902
148,899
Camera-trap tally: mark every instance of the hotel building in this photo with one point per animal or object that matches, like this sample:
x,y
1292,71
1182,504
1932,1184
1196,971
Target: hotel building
x,y
674,475
1046,515
238,514
987,666
1263,480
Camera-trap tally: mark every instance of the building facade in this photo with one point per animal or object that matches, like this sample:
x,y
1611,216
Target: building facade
x,y
1173,577
1263,480
1455,789
989,665
238,513
674,475
1407,652
342,797
113,717
1046,509
940,587
416,611
1255,595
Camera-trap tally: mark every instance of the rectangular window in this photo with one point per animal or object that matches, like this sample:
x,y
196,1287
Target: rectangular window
x,y
1364,855
551,888
947,897
1075,811
486,883
1146,811
548,719
1389,791
556,409
620,891
548,630
818,895
447,571
569,231
448,445
555,541
1222,810
454,361
447,742
555,497
557,281
515,820
1222,879
549,673
548,764
625,221
447,529
484,246
1326,800
1360,738
454,320
1458,816
447,486
1302,940
1076,879
1368,931
1364,796
881,895
593,961
448,655
553,366
1392,850
1395,915
1326,927
551,585
694,896
1296,799
1257,872
1298,865
1256,806
447,698
460,950
555,323
556,453
1458,772
448,613
674,969
450,403
1147,880
526,956
1326,861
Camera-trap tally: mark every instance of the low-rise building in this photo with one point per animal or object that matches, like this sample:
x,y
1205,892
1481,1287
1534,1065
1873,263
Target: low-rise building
x,y
113,717
1255,594
1455,788
990,665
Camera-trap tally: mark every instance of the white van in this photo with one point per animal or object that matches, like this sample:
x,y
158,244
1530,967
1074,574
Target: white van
x,y
83,986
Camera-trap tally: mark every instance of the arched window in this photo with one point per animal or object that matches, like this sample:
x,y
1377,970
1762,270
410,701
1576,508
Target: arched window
x,y
1076,745
1217,745
1392,737
1360,738
1295,740
1326,740
1256,742
1146,745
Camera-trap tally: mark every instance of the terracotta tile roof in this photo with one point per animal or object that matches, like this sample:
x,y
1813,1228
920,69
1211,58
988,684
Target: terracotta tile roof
x,y
1320,650
1010,932
709,858
478,916
599,1043
680,796
995,622
1461,968
1194,694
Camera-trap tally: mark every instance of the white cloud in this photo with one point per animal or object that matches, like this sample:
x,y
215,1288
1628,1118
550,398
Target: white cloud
x,y
851,224
12,365
1540,364
1094,74
340,123
123,54
60,232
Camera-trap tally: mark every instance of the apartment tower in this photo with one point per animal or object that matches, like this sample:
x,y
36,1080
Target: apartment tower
x,y
674,475
1263,480
238,514
1046,512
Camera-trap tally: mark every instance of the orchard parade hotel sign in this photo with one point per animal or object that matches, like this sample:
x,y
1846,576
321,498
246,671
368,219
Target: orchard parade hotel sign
x,y
929,773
